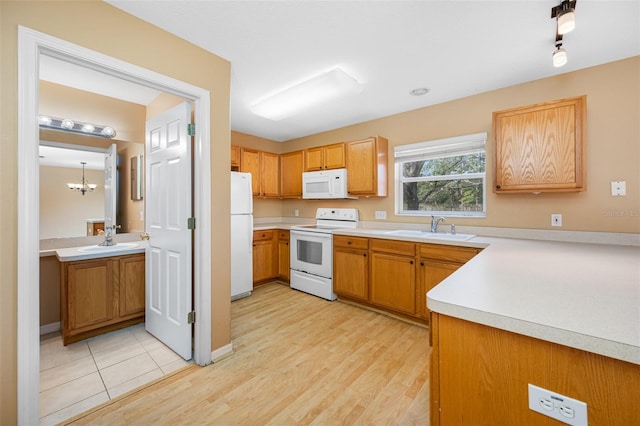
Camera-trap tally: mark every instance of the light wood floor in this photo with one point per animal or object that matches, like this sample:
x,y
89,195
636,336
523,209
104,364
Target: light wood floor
x,y
298,360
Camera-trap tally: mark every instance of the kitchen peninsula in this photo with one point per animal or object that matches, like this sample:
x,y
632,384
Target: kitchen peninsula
x,y
562,316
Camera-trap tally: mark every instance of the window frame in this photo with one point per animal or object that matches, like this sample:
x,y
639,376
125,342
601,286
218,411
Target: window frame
x,y
439,148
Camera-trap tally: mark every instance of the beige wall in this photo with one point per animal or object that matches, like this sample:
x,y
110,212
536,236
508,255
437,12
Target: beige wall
x,y
612,151
91,24
63,212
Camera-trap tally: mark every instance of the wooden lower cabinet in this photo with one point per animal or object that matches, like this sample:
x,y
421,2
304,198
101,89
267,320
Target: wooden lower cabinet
x,y
101,295
393,275
283,255
436,264
351,267
393,281
477,371
265,260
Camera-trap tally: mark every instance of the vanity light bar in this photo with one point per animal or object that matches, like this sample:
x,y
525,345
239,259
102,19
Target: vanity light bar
x,y
68,125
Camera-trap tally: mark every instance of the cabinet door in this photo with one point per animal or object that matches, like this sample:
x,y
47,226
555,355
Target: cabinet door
x,y
265,262
334,156
131,285
539,147
351,273
270,174
250,162
366,162
89,295
283,259
393,282
431,273
291,174
313,159
235,157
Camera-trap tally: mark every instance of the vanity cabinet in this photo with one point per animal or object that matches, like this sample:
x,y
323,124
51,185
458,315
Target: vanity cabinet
x,y
283,255
366,162
101,295
265,260
291,165
325,157
437,262
393,275
539,148
351,267
264,169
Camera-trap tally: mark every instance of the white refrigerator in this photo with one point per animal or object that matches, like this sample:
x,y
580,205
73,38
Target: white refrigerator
x,y
241,235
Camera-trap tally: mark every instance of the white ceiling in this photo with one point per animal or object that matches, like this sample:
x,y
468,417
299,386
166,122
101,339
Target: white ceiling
x,y
55,156
454,48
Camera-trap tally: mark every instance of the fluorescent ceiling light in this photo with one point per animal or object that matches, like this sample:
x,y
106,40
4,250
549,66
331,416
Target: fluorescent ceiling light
x,y
311,92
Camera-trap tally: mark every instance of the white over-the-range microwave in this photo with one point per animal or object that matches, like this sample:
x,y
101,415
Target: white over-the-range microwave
x,y
325,184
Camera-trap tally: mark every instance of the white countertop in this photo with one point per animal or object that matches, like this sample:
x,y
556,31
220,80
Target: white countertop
x,y
585,296
95,252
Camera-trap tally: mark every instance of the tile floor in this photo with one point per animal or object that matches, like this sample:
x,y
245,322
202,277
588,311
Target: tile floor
x,y
81,375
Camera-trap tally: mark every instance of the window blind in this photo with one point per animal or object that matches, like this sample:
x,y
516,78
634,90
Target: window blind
x,y
438,148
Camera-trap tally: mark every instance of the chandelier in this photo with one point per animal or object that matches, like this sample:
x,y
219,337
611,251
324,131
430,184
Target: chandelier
x,y
84,186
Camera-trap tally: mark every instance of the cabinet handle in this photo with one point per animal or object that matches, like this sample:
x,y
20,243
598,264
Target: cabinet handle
x,y
411,262
364,254
348,242
498,187
421,263
286,244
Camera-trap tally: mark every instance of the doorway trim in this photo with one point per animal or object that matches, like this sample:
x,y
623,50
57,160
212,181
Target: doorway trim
x,y
32,44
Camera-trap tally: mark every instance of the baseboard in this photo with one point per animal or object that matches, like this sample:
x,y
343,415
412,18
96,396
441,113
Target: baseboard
x,y
49,328
222,352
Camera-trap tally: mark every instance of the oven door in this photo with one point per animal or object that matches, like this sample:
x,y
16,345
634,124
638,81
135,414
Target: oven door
x,y
311,252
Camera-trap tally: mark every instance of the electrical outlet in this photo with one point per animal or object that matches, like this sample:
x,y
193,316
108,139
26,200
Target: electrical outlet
x,y
556,219
618,188
381,214
296,212
559,407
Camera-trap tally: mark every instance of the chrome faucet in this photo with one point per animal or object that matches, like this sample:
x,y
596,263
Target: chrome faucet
x,y
435,222
108,238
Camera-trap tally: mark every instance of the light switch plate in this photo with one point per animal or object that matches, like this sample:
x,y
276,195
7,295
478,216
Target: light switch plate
x,y
618,188
381,214
557,406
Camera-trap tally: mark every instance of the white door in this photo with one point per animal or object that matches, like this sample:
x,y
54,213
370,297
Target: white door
x,y
110,185
168,207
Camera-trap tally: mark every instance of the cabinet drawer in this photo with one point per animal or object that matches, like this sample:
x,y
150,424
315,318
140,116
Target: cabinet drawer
x,y
393,246
448,253
283,235
351,242
263,235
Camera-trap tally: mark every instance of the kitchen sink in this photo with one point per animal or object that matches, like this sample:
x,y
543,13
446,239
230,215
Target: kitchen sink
x,y
102,249
429,235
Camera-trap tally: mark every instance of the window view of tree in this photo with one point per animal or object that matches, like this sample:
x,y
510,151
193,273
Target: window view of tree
x,y
447,184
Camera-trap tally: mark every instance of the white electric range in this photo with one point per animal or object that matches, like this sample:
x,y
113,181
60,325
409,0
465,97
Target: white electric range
x,y
311,258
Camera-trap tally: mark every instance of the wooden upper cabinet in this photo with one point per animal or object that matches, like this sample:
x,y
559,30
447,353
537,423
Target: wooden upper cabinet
x,y
291,166
325,157
235,158
265,171
539,148
366,162
270,174
250,163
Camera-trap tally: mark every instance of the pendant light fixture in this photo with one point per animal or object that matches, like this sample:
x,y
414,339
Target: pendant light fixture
x,y
84,186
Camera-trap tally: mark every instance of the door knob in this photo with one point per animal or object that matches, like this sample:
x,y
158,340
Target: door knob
x,y
144,236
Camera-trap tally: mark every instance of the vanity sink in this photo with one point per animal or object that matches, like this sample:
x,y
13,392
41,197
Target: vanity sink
x,y
102,249
429,235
